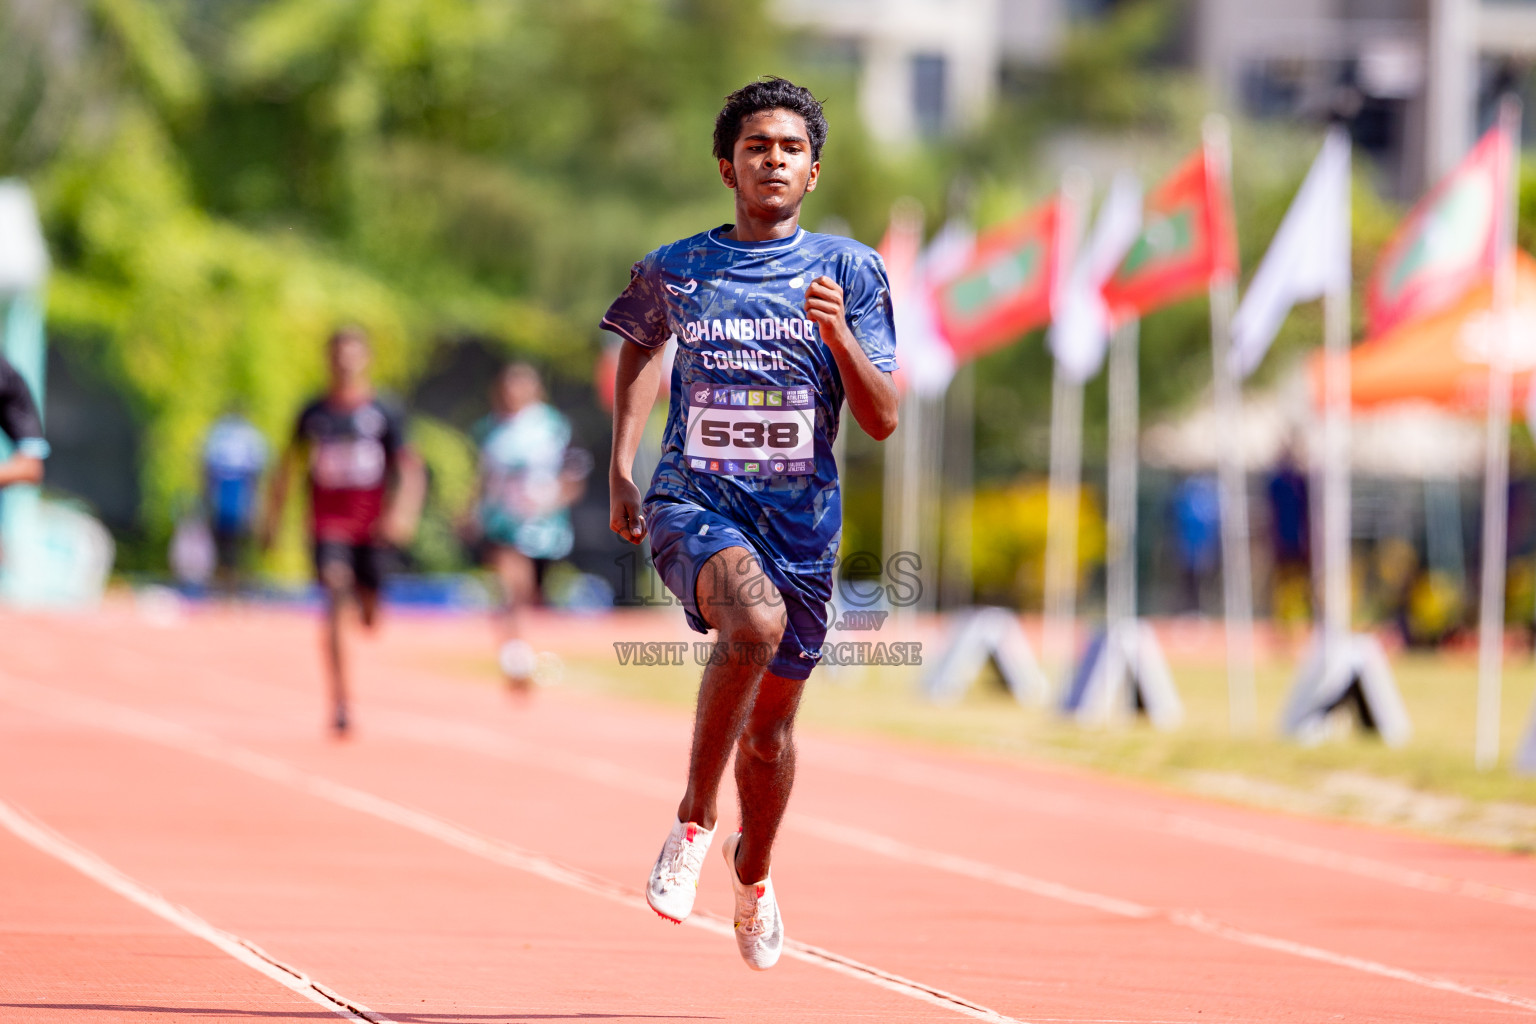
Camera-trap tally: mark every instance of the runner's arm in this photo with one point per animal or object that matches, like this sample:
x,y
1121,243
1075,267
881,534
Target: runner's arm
x,y
277,492
871,394
21,469
405,503
634,392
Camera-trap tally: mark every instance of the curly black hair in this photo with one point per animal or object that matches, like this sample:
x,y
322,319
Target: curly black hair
x,y
770,93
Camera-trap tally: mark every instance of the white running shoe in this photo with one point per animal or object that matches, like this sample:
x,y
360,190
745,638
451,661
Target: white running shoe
x,y
517,660
675,878
759,927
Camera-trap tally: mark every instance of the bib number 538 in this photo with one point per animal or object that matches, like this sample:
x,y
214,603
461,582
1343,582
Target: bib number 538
x,y
748,434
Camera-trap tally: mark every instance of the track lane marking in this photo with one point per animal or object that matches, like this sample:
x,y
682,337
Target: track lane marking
x,y
478,739
438,732
984,789
133,722
1200,923
33,832
981,788
141,725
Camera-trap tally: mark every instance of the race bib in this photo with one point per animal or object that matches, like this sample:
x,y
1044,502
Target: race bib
x,y
751,431
356,464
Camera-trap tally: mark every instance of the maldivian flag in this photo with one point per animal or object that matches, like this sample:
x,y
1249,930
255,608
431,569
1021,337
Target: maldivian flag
x,y
1005,288
1186,241
1449,242
927,361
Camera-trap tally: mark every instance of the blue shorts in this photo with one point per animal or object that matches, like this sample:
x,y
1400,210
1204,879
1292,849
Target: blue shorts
x,y
684,536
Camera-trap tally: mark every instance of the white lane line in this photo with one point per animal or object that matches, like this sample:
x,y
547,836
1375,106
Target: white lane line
x,y
1200,923
985,789
437,732
27,828
131,722
485,741
895,849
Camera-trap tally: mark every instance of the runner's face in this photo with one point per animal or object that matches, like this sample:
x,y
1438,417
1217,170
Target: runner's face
x,y
772,168
519,390
349,361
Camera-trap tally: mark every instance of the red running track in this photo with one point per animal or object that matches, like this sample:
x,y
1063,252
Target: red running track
x,y
179,841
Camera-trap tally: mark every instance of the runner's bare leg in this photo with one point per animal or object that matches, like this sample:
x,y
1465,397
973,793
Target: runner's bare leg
x,y
336,579
765,771
747,628
518,580
367,607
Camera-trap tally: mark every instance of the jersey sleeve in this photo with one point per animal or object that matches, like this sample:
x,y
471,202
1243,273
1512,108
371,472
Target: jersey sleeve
x,y
867,302
394,431
301,426
19,417
640,311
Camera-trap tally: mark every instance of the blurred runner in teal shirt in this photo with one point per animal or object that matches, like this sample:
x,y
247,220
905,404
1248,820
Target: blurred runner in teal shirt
x,y
529,478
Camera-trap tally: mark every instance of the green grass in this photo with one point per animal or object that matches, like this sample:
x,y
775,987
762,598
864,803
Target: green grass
x,y
1431,783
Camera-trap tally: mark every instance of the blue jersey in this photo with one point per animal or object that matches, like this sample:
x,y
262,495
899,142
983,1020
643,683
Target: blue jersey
x,y
234,455
756,394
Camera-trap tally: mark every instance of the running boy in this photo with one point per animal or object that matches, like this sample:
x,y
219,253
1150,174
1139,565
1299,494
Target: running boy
x,y
354,446
529,478
776,326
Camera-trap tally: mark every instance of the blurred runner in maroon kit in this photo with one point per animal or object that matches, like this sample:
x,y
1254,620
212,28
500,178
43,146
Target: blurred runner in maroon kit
x,y
365,487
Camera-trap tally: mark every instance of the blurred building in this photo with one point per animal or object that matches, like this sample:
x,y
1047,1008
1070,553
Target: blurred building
x,y
1416,79
929,67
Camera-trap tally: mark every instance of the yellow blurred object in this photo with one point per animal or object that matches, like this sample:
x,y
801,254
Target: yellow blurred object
x,y
1434,609
1009,530
1291,595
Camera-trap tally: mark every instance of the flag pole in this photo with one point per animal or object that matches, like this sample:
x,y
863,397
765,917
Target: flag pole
x,y
931,498
1237,590
908,532
1490,648
893,462
1061,522
902,519
1124,413
958,513
1336,469
1060,626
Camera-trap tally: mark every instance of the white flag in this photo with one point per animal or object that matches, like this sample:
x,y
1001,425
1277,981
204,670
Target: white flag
x,y
927,361
1308,258
1080,321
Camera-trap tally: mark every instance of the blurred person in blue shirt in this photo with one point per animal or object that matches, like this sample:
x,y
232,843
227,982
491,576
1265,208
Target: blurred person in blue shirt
x,y
1290,542
234,456
1197,529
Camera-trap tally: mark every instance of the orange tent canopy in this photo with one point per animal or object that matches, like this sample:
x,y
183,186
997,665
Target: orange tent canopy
x,y
1443,358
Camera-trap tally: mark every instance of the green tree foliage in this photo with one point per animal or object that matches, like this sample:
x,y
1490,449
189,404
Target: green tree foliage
x,y
224,182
